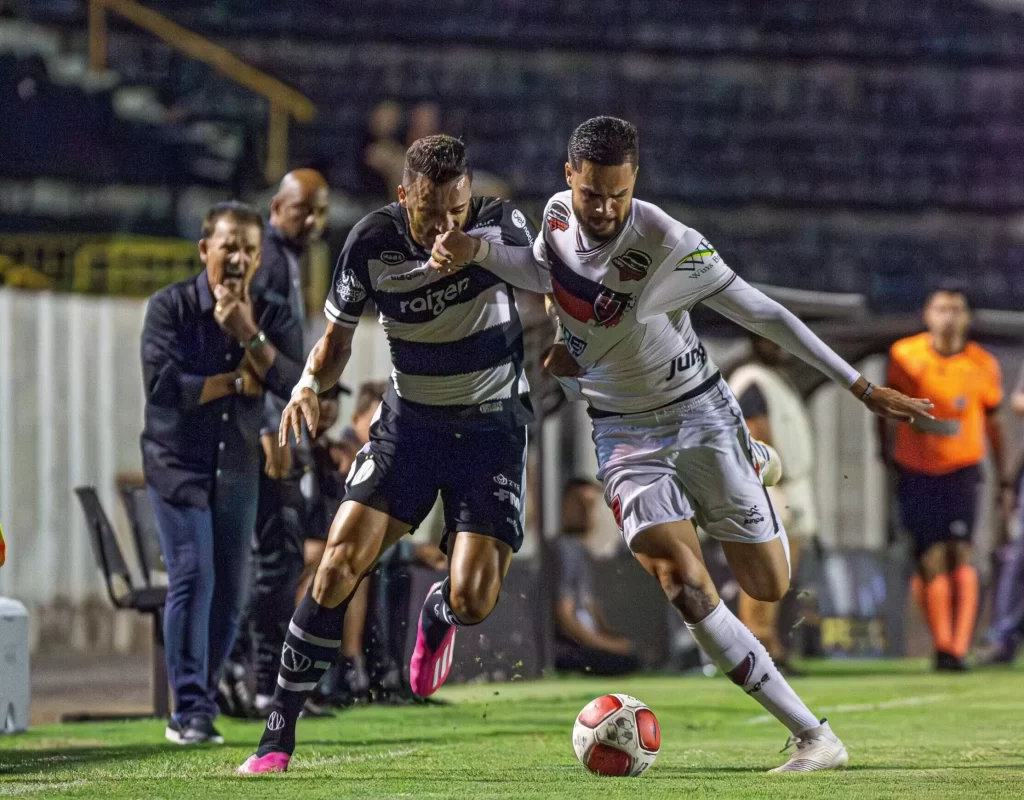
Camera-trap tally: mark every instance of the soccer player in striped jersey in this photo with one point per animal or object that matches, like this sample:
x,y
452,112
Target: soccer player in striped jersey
x,y
672,446
453,422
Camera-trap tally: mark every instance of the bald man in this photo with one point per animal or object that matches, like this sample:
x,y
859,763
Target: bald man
x,y
298,214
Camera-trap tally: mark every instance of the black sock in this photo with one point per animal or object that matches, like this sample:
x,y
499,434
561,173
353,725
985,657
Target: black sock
x,y
310,647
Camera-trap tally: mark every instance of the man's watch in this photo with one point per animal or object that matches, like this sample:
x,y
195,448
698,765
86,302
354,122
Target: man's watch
x,y
258,340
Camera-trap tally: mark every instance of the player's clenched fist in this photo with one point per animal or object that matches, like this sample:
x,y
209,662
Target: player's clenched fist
x,y
304,405
452,251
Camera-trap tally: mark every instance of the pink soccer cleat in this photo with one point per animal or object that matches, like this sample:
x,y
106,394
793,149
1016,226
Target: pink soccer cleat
x,y
264,765
430,666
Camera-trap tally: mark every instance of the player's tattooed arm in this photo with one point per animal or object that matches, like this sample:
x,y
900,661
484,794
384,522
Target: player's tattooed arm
x,y
326,362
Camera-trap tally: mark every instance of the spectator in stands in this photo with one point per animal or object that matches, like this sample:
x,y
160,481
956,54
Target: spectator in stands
x,y
583,641
298,214
1007,629
383,152
938,464
212,346
777,415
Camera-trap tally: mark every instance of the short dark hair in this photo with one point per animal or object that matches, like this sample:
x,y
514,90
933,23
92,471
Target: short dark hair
x,y
949,287
607,141
371,393
240,212
439,159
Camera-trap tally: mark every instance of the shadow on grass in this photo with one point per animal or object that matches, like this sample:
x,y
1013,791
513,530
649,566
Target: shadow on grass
x,y
45,761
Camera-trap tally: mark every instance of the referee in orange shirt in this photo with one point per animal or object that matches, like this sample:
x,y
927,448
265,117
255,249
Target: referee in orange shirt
x,y
938,464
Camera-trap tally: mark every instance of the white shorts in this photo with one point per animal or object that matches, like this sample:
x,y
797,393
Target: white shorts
x,y
688,461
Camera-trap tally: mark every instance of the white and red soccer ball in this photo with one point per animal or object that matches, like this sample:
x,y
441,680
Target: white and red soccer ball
x,y
616,735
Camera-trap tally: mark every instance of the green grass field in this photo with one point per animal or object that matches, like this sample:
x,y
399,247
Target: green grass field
x,y
909,733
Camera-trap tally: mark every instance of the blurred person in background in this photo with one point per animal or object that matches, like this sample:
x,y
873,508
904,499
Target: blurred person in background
x,y
1007,629
583,640
776,414
298,215
212,346
383,151
938,464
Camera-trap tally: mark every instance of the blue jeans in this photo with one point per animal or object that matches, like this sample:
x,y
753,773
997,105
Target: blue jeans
x,y
208,556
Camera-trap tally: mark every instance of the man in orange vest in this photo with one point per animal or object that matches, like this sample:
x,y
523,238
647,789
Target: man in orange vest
x,y
938,464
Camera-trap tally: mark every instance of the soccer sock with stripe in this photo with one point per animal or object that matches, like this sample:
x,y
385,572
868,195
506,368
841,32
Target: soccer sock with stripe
x,y
310,647
738,653
965,582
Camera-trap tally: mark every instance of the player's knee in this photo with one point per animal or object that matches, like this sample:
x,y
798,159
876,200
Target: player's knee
x,y
339,571
471,604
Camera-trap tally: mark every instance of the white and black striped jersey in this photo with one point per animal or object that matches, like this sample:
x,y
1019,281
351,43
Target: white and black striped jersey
x,y
456,340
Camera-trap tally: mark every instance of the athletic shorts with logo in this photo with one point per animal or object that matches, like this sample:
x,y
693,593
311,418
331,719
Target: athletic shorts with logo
x,y
478,469
692,460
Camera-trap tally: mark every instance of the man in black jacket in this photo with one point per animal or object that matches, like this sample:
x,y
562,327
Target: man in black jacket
x,y
210,350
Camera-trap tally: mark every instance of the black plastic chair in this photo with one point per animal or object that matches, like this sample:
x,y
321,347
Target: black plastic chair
x,y
139,509
123,592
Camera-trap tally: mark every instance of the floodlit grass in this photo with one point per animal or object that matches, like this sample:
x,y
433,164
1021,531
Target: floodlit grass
x,y
909,733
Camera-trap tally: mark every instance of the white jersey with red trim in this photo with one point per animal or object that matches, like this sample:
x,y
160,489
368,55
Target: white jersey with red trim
x,y
624,305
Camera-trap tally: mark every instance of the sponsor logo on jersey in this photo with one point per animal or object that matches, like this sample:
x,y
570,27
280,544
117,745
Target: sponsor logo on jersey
x,y
518,219
350,290
435,300
501,480
616,507
698,356
699,261
754,516
558,217
573,343
490,407
392,257
504,495
632,265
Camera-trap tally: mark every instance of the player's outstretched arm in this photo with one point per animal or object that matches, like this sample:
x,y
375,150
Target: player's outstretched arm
x,y
323,369
517,266
755,311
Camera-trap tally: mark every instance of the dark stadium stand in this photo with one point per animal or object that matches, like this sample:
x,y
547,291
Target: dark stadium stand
x,y
893,110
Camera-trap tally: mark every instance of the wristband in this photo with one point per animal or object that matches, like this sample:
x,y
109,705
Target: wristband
x,y
483,252
867,392
258,340
307,381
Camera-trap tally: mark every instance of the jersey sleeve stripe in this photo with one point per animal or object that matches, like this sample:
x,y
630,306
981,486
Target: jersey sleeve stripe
x,y
336,315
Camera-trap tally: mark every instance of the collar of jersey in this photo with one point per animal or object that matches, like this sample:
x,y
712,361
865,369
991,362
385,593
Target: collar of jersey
x,y
595,251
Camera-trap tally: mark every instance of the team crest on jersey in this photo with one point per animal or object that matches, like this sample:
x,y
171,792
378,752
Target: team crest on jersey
x,y
350,290
616,507
610,306
699,261
392,257
632,265
558,217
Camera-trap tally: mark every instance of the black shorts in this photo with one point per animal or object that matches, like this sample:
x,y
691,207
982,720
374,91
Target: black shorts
x,y
477,469
938,508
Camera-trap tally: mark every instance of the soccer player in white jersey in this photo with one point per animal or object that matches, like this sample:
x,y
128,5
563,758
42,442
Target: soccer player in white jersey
x,y
671,443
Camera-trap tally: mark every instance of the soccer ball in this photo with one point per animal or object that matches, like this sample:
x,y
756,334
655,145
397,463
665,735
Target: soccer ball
x,y
616,735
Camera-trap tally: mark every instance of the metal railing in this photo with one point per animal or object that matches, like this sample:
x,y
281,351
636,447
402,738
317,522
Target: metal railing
x,y
284,101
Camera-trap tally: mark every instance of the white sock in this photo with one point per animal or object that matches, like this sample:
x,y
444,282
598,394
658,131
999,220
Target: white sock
x,y
738,653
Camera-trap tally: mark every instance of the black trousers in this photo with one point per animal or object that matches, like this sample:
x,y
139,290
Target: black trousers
x,y
571,656
277,548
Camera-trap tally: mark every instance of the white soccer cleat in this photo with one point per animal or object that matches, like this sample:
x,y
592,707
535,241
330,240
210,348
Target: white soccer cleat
x,y
769,465
817,749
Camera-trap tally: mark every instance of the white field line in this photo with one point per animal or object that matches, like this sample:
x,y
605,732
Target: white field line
x,y
355,758
849,708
